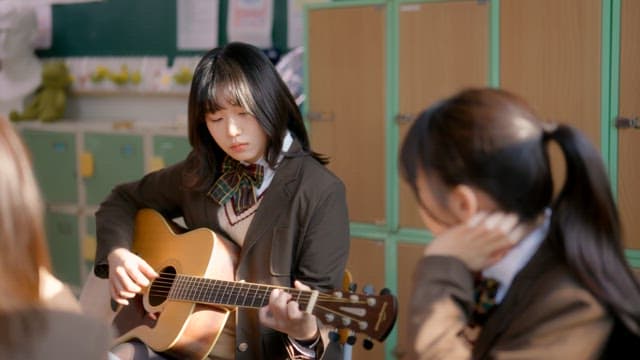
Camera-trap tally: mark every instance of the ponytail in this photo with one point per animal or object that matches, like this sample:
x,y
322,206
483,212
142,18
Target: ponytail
x,y
585,227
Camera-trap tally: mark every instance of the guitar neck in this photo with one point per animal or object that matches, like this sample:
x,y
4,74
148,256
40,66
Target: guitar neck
x,y
220,292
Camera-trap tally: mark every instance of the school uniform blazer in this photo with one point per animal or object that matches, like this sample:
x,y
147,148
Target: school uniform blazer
x,y
546,314
300,231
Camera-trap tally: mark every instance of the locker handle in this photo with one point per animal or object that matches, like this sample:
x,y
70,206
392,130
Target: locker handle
x,y
404,118
627,123
86,164
320,116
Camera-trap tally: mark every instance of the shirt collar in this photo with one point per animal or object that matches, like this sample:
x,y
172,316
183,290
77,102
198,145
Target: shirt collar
x,y
268,171
510,265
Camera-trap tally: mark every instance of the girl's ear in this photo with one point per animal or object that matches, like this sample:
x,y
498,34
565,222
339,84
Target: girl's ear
x,y
463,202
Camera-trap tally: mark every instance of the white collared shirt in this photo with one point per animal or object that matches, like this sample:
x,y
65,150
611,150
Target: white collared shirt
x,y
510,265
268,171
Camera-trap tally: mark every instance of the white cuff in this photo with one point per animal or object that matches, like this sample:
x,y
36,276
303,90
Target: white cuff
x,y
308,350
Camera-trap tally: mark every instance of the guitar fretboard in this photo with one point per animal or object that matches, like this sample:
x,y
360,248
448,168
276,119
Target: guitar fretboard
x,y
222,292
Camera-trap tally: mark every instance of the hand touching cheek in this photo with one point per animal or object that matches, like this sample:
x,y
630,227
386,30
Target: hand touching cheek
x,y
479,242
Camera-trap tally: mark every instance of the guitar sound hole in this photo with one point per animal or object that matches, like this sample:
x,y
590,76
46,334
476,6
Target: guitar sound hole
x,y
160,287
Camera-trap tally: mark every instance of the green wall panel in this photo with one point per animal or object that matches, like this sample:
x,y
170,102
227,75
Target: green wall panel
x,y
54,162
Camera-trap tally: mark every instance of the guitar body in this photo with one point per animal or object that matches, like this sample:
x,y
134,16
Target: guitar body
x,y
182,329
184,310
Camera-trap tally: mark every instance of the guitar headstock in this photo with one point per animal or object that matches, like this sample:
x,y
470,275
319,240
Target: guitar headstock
x,y
373,315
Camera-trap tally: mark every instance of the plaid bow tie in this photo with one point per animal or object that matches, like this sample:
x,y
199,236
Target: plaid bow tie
x,y
485,290
237,184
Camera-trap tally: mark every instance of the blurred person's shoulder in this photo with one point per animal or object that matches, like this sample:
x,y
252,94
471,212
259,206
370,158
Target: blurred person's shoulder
x,y
52,334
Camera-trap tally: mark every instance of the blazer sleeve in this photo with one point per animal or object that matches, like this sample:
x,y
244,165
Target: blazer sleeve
x,y
161,190
440,304
324,248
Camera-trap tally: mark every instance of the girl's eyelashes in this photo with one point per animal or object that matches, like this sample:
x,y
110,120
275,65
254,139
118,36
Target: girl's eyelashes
x,y
213,118
246,113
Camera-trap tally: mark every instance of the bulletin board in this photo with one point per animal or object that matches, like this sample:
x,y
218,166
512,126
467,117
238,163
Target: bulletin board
x,y
134,28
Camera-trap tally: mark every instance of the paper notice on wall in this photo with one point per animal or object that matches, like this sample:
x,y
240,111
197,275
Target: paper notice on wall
x,y
197,24
43,36
295,25
250,21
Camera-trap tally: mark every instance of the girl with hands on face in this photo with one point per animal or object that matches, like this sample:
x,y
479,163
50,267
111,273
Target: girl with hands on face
x,y
560,286
479,242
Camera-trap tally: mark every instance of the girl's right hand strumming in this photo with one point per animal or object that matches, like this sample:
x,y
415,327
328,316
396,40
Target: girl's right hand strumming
x,y
128,275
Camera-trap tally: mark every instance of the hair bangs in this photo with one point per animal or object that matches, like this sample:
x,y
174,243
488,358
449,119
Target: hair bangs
x,y
228,85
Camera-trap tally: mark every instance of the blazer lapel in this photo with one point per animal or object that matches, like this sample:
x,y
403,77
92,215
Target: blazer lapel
x,y
515,300
275,197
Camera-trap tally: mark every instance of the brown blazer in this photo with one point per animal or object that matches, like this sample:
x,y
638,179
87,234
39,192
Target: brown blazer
x,y
47,334
300,231
546,314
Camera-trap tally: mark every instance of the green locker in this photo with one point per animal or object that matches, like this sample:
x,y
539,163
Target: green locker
x,y
171,149
64,246
54,162
116,159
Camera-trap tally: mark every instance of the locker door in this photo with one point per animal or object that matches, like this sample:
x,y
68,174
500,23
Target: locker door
x,y
444,47
346,102
117,158
629,138
550,55
64,246
168,150
54,161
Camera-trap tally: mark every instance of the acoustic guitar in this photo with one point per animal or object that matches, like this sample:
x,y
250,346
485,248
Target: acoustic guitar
x,y
192,297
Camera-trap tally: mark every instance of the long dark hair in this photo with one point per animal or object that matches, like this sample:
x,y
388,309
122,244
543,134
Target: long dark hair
x,y
243,73
492,140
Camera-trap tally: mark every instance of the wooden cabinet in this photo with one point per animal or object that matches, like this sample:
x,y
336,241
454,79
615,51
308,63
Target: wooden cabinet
x,y
374,65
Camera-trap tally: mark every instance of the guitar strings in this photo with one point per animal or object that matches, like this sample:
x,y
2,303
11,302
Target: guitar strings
x,y
163,284
190,285
230,291
237,293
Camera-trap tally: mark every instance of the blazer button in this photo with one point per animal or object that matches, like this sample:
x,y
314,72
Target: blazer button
x,y
243,347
